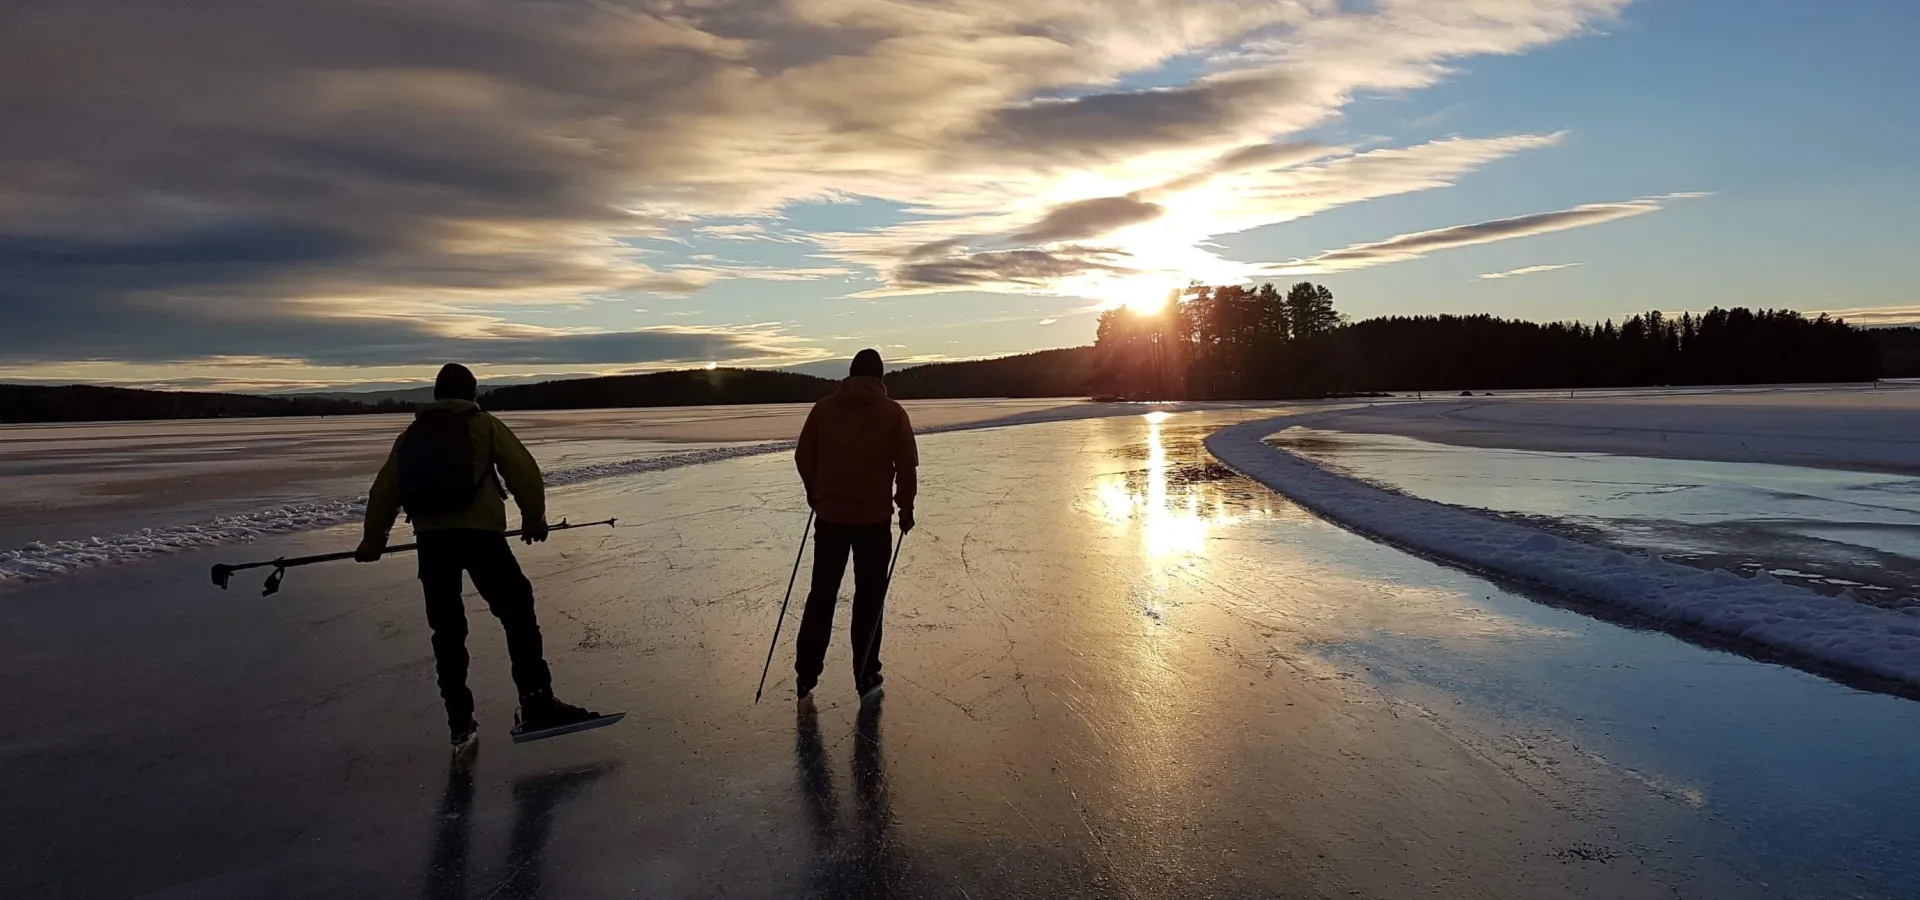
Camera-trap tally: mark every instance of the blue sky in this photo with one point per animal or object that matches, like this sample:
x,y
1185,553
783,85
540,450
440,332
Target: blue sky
x,y
621,189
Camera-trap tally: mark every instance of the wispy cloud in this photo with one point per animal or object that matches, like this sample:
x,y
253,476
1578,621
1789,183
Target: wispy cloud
x,y
712,272
1904,314
1242,189
1528,270
1401,248
748,231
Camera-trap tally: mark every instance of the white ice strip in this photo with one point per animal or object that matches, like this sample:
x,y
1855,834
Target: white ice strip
x,y
42,559
1761,610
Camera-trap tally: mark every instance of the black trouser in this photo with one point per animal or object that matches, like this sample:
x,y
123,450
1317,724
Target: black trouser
x,y
484,555
831,542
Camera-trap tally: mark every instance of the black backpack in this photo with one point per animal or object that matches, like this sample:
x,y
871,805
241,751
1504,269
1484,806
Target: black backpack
x,y
437,463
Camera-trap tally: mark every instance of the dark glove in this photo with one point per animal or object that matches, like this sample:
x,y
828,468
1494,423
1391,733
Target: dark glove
x,y
906,520
535,533
370,550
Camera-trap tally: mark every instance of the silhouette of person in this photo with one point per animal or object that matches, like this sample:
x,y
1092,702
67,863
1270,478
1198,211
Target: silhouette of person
x,y
857,458
451,471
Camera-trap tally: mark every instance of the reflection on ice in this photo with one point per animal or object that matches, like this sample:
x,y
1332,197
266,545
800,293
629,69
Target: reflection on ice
x,y
1174,504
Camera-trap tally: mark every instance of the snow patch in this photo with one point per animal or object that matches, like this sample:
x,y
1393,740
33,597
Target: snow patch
x,y
1762,610
1540,543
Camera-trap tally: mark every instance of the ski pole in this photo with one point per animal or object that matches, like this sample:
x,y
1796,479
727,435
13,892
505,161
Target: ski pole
x,y
866,654
783,607
222,573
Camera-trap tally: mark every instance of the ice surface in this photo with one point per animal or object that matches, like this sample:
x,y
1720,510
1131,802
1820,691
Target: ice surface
x,y
1115,669
1761,610
1847,427
45,558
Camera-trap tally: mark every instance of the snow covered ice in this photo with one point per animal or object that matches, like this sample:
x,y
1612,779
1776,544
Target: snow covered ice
x,y
1117,668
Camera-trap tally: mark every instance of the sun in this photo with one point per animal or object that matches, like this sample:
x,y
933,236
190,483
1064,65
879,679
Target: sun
x,y
1145,301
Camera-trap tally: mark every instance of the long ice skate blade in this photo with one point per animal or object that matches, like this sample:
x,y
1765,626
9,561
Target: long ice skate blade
x,y
522,737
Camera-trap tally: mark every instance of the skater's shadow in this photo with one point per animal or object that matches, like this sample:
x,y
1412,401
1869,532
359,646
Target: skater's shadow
x,y
535,799
447,867
852,861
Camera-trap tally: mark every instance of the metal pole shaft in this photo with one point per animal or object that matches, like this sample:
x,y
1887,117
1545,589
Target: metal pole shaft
x,y
797,556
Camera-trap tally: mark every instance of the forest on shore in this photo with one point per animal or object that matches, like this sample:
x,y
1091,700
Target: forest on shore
x,y
94,403
1247,342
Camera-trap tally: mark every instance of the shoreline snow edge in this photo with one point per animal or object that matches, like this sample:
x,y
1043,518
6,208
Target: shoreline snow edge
x,y
1761,610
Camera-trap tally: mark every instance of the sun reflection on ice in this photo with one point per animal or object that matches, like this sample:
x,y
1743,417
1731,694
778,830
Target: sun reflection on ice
x,y
1174,509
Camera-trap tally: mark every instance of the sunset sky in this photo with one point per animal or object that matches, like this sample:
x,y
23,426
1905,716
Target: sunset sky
x,y
306,193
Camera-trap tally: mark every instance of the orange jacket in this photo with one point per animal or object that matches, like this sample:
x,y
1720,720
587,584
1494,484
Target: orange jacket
x,y
857,455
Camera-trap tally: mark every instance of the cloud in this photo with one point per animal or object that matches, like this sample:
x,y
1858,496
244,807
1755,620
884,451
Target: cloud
x,y
1529,270
1418,244
1006,270
1109,125
177,335
1084,219
1048,321
748,231
1250,157
304,171
766,273
1871,316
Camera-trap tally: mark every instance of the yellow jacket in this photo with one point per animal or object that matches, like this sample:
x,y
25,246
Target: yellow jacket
x,y
496,449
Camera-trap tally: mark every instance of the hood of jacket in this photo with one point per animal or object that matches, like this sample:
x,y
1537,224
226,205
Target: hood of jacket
x,y
860,390
446,406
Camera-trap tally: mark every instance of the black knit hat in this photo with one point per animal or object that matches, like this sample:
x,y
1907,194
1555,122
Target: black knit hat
x,y
455,382
867,363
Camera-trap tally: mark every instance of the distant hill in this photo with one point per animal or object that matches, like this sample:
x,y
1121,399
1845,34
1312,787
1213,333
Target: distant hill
x,y
88,403
834,369
421,394
1047,373
694,387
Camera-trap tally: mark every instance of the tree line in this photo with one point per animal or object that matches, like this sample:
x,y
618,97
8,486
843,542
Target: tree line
x,y
1045,373
90,403
1247,342
689,387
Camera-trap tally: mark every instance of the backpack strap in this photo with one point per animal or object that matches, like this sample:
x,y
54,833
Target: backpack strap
x,y
487,471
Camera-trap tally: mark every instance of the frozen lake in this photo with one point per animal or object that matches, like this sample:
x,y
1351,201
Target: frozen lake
x,y
1116,670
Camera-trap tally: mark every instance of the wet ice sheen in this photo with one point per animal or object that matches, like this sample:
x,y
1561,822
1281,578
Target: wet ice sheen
x,y
1114,671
